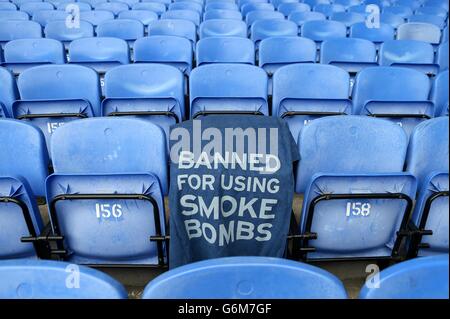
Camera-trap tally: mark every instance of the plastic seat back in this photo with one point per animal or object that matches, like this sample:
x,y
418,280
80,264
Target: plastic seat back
x,y
419,278
222,28
44,279
419,31
228,88
225,50
206,279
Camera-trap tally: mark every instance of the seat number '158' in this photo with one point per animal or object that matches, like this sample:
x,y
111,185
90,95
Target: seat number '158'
x,y
357,209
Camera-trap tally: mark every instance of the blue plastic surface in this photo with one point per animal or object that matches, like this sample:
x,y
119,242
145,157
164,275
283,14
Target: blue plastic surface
x,y
228,87
419,278
246,277
44,279
225,50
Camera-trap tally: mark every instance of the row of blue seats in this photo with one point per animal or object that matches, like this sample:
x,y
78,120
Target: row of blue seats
x,y
193,12
52,95
104,157
130,30
225,278
103,53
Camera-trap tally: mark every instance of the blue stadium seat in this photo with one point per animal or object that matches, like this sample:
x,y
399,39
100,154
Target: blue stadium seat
x,y
224,277
13,15
99,53
428,160
156,7
186,5
409,53
24,158
419,31
356,197
222,14
91,2
402,11
102,200
32,7
301,17
130,2
323,30
324,91
221,5
419,278
225,50
287,8
228,88
52,95
125,29
313,3
144,16
114,7
8,6
428,18
263,29
222,28
153,92
60,31
414,4
442,56
257,15
256,6
358,8
394,93
8,92
348,18
166,49
189,15
351,54
433,10
392,19
25,53
328,9
23,169
176,27
96,17
82,6
18,29
347,3
45,279
439,94
437,3
294,50
45,16
377,35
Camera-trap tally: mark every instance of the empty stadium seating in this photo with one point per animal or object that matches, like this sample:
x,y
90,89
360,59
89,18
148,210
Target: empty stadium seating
x,y
351,54
395,93
99,53
125,193
439,94
52,95
8,92
151,91
23,169
22,54
32,279
225,50
90,88
318,97
409,53
228,88
420,278
356,197
245,277
170,50
431,211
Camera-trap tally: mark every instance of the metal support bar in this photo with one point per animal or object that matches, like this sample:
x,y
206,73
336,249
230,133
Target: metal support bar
x,y
57,231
